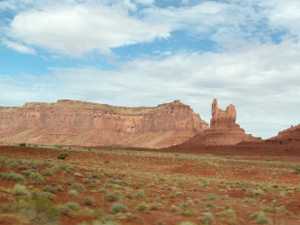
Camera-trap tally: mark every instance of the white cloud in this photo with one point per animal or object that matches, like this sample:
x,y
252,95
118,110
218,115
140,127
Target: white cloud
x,y
82,28
284,14
19,47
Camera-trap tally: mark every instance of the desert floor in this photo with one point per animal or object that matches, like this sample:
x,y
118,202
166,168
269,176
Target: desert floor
x,y
126,187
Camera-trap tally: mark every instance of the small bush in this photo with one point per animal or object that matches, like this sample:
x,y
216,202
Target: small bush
x,y
297,170
69,208
73,193
12,177
89,201
78,187
118,207
36,177
112,197
53,188
63,156
207,218
20,190
260,218
73,206
186,223
142,207
140,194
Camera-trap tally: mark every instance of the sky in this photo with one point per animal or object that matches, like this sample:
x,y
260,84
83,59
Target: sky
x,y
147,52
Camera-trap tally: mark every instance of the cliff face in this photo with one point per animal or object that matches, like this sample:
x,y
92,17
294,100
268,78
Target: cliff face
x,y
81,123
290,135
223,130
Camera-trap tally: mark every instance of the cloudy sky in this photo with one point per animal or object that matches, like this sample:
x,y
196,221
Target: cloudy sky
x,y
145,52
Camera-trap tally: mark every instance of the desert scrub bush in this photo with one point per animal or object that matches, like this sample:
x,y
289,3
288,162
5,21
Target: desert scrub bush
x,y
11,176
142,207
23,145
140,194
38,208
36,177
100,222
78,187
186,223
207,218
297,169
63,156
229,216
73,193
20,190
69,208
73,206
54,188
260,217
185,209
118,208
212,197
112,197
45,210
89,201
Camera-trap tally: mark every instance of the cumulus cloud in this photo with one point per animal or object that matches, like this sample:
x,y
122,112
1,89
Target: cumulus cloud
x,y
81,28
75,27
284,14
19,47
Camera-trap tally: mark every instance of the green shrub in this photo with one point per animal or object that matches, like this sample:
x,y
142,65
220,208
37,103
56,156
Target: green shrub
x,y
53,188
142,207
140,194
38,208
20,190
118,207
260,217
186,223
73,193
73,206
207,218
36,177
63,156
89,201
112,197
297,169
78,187
11,176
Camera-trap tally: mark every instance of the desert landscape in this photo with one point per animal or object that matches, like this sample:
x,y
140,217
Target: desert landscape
x,y
186,173
149,112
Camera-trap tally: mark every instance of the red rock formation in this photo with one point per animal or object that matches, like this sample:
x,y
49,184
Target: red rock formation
x,y
223,130
80,123
291,134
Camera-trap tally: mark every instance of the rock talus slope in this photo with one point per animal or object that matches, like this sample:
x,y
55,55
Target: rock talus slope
x,y
70,122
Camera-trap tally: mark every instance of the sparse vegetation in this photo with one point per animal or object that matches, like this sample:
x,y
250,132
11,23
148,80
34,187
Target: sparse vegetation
x,y
11,176
118,207
132,188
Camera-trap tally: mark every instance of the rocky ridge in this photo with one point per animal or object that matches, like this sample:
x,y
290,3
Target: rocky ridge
x,y
69,122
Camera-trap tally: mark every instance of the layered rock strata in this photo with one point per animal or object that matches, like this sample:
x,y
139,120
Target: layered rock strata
x,y
68,122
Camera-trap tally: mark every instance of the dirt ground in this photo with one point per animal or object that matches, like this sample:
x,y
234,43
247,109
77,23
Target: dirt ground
x,y
126,187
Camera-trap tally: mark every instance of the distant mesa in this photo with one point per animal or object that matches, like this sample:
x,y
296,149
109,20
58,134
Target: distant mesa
x,y
223,130
69,122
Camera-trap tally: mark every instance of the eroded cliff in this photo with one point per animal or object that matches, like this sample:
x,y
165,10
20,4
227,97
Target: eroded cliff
x,y
70,122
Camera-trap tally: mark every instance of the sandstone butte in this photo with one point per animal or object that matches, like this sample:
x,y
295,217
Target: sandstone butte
x,y
223,130
68,122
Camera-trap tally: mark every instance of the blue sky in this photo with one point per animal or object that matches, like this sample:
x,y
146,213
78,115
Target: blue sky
x,y
145,52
